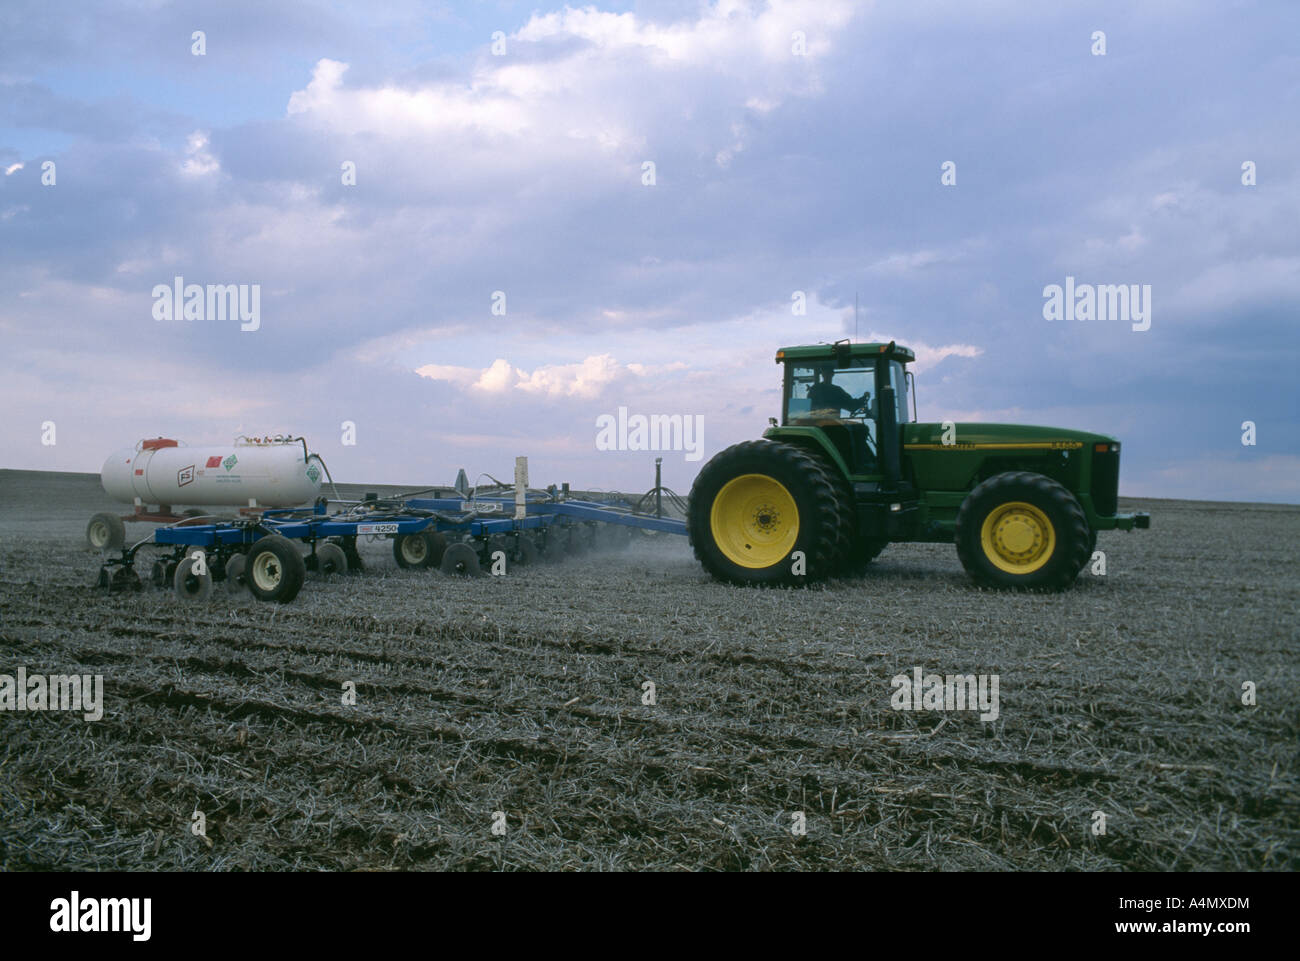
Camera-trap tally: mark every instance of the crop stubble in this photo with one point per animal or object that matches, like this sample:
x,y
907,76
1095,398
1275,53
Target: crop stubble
x,y
523,694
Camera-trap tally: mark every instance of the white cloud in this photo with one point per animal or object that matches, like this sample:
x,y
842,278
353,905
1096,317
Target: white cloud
x,y
593,106
13,168
198,160
928,355
585,379
724,33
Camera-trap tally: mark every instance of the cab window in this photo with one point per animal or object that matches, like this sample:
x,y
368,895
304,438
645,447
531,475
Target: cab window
x,y
820,391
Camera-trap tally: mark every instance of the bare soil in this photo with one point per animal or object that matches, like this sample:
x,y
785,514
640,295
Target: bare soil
x,y
523,694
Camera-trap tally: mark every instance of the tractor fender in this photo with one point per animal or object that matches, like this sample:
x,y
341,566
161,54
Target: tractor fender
x,y
812,440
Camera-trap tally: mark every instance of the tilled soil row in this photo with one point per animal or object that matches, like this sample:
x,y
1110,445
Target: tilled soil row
x,y
523,695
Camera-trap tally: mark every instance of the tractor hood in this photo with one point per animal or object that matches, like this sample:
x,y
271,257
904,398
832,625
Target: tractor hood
x,y
980,436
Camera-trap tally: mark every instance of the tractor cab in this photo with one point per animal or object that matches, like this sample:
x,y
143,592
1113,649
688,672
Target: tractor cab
x,y
837,389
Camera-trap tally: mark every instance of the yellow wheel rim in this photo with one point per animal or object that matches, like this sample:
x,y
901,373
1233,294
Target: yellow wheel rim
x,y
1018,537
754,521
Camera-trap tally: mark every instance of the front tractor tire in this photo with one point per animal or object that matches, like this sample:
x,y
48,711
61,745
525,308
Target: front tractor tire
x,y
1022,530
756,506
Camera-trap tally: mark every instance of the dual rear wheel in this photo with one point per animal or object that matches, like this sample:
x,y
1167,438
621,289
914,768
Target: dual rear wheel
x,y
765,512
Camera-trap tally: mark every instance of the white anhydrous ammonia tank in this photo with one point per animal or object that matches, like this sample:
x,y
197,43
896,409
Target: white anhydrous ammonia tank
x,y
275,472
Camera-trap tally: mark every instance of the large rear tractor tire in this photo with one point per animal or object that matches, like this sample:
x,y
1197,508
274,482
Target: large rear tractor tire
x,y
855,551
764,512
106,532
274,569
1022,530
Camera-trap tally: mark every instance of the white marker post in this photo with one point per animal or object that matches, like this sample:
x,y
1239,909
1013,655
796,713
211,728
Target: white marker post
x,y
521,488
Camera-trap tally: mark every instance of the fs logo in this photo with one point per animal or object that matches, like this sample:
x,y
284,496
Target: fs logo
x,y
185,476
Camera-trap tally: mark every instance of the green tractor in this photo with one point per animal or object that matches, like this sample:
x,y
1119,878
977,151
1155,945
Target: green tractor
x,y
847,471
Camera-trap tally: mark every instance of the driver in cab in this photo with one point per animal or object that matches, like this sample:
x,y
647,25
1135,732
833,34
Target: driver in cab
x,y
827,396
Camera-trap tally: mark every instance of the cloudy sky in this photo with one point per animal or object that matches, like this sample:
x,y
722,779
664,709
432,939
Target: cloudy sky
x,y
500,153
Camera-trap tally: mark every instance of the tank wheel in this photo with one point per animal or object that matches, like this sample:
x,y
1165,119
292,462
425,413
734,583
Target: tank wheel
x,y
190,585
460,560
105,532
423,549
756,504
274,569
235,573
330,559
1022,530
526,551
194,512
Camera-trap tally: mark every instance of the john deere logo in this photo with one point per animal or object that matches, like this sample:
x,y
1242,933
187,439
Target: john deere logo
x,y
313,474
229,462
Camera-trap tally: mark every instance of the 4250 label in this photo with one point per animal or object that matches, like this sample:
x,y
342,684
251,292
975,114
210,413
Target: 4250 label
x,y
376,528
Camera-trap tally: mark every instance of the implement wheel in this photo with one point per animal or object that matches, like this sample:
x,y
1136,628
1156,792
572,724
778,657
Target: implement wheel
x,y
163,573
1022,530
460,560
526,551
235,573
330,559
419,550
189,584
756,507
105,532
119,580
349,545
274,569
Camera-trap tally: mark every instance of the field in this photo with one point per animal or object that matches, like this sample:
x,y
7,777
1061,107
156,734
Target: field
x,y
523,695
